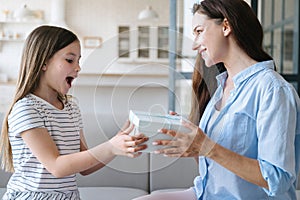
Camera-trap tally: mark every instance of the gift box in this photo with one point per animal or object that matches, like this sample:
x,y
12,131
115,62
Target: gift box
x,y
149,124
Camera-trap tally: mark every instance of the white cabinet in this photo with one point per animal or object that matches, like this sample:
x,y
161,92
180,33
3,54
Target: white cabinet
x,y
16,31
6,95
146,43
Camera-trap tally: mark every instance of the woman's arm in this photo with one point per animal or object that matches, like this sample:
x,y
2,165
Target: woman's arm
x,y
242,166
196,143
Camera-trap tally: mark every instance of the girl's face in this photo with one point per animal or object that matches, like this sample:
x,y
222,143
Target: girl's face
x,y
62,68
209,39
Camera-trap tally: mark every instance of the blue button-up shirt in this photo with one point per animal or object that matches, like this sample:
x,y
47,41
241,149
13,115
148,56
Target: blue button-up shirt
x,y
261,120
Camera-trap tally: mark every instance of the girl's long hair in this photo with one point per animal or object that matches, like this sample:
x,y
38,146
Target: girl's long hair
x,y
39,47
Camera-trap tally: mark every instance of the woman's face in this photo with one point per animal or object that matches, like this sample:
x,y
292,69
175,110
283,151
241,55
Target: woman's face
x,y
63,68
209,39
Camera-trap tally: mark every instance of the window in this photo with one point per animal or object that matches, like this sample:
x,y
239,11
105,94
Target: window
x,y
280,20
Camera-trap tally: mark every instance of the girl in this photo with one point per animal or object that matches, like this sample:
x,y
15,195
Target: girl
x,y
42,139
247,142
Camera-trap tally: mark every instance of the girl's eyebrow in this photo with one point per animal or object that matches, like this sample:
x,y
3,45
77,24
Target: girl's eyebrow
x,y
73,54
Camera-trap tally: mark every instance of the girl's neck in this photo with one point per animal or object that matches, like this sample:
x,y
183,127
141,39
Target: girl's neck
x,y
49,96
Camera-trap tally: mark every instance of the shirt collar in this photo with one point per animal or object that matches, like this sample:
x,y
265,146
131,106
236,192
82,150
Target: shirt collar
x,y
246,73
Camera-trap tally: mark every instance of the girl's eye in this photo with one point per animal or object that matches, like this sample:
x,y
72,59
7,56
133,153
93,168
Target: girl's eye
x,y
69,60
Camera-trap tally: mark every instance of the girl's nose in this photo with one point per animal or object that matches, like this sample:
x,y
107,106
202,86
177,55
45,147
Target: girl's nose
x,y
78,68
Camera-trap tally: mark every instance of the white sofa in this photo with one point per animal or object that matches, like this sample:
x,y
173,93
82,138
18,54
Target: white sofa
x,y
114,184
125,178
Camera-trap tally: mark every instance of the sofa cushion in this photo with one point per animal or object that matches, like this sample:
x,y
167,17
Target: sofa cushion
x,y
111,193
2,191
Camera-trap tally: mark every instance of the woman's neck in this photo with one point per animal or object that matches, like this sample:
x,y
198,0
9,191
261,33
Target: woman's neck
x,y
237,60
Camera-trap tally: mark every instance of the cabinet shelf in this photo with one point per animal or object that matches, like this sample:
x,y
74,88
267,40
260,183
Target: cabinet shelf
x,y
15,31
146,43
21,22
11,40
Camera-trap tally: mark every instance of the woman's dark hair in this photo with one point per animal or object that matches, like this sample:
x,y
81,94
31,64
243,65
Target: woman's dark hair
x,y
204,84
248,34
244,24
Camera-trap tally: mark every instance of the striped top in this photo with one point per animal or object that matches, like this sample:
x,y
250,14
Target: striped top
x,y
63,126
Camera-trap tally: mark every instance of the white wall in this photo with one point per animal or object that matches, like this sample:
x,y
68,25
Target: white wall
x,y
86,18
99,18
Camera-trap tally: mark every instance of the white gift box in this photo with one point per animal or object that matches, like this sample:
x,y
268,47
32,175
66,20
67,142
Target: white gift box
x,y
149,124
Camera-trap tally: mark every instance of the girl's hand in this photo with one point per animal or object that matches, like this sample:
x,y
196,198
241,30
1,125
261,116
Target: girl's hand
x,y
194,143
127,145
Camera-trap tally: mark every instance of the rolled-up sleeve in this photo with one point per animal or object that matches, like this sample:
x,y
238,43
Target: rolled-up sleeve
x,y
276,132
278,180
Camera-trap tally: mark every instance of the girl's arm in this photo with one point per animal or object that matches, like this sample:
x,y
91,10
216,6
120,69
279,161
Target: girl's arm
x,y
86,161
84,147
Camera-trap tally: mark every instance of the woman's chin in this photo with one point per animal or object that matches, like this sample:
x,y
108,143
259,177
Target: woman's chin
x,y
209,63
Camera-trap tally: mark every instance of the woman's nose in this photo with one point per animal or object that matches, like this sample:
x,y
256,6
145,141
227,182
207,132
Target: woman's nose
x,y
196,43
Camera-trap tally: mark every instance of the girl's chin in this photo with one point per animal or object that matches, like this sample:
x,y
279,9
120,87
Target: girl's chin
x,y
64,91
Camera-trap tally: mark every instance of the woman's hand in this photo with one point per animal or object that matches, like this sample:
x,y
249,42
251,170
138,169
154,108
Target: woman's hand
x,y
173,113
194,143
127,145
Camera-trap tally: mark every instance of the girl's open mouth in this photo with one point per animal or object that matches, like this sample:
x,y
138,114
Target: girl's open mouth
x,y
69,80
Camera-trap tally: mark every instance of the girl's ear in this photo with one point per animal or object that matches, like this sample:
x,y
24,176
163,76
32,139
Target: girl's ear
x,y
44,67
226,27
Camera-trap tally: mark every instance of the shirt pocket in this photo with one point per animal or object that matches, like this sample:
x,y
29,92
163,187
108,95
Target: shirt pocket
x,y
235,131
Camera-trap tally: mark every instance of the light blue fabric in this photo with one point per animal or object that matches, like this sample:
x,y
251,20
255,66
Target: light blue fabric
x,y
261,121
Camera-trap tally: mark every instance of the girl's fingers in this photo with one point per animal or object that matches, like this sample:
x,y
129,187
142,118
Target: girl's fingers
x,y
125,125
133,155
135,142
127,128
140,147
140,136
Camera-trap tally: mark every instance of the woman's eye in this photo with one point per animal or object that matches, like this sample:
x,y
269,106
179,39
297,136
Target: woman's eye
x,y
197,32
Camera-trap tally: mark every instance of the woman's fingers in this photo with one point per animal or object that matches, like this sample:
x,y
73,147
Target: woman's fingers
x,y
173,113
168,132
188,124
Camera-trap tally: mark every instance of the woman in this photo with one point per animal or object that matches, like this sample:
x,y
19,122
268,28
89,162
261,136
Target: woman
x,y
248,137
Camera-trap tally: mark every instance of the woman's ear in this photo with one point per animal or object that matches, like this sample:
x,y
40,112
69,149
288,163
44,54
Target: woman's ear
x,y
226,27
